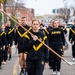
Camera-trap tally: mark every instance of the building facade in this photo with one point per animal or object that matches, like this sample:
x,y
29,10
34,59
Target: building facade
x,y
0,5
22,12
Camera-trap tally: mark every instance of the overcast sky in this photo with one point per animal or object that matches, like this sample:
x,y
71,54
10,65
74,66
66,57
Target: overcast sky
x,y
44,6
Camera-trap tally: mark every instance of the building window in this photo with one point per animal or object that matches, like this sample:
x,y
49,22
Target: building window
x,y
18,14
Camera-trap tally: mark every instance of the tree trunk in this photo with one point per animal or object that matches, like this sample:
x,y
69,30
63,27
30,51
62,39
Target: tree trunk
x,y
66,22
4,8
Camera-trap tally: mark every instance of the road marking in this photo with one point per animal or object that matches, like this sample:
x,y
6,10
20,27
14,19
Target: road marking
x,y
15,67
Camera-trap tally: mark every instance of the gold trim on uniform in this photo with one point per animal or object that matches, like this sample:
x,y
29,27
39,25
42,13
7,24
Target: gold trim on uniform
x,y
27,37
29,29
64,28
46,31
2,33
40,45
11,30
72,30
45,37
24,34
56,32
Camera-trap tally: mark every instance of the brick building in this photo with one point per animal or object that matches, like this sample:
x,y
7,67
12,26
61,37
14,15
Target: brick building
x,y
0,5
27,12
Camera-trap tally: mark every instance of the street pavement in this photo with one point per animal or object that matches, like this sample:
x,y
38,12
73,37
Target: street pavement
x,y
12,66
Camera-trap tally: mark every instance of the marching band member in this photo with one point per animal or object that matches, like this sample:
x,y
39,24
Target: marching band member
x,y
56,42
20,42
37,56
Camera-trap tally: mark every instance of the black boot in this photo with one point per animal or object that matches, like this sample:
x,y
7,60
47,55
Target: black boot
x,y
22,71
0,64
25,72
9,57
0,67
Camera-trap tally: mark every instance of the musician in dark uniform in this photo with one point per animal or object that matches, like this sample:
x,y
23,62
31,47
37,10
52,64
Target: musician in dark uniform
x,y
2,45
37,56
72,39
61,26
9,36
42,29
50,27
65,35
0,49
56,42
20,41
4,50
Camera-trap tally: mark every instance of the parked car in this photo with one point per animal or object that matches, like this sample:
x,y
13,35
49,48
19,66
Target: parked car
x,y
69,25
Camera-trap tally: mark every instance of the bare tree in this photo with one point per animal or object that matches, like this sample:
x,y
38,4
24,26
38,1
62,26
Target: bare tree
x,y
73,11
65,12
4,8
15,6
71,5
73,8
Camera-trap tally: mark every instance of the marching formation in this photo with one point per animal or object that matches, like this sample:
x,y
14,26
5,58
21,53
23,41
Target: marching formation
x,y
33,55
6,40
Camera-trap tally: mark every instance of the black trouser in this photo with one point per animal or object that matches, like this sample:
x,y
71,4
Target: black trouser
x,y
5,54
50,59
0,57
35,67
56,61
73,51
56,64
